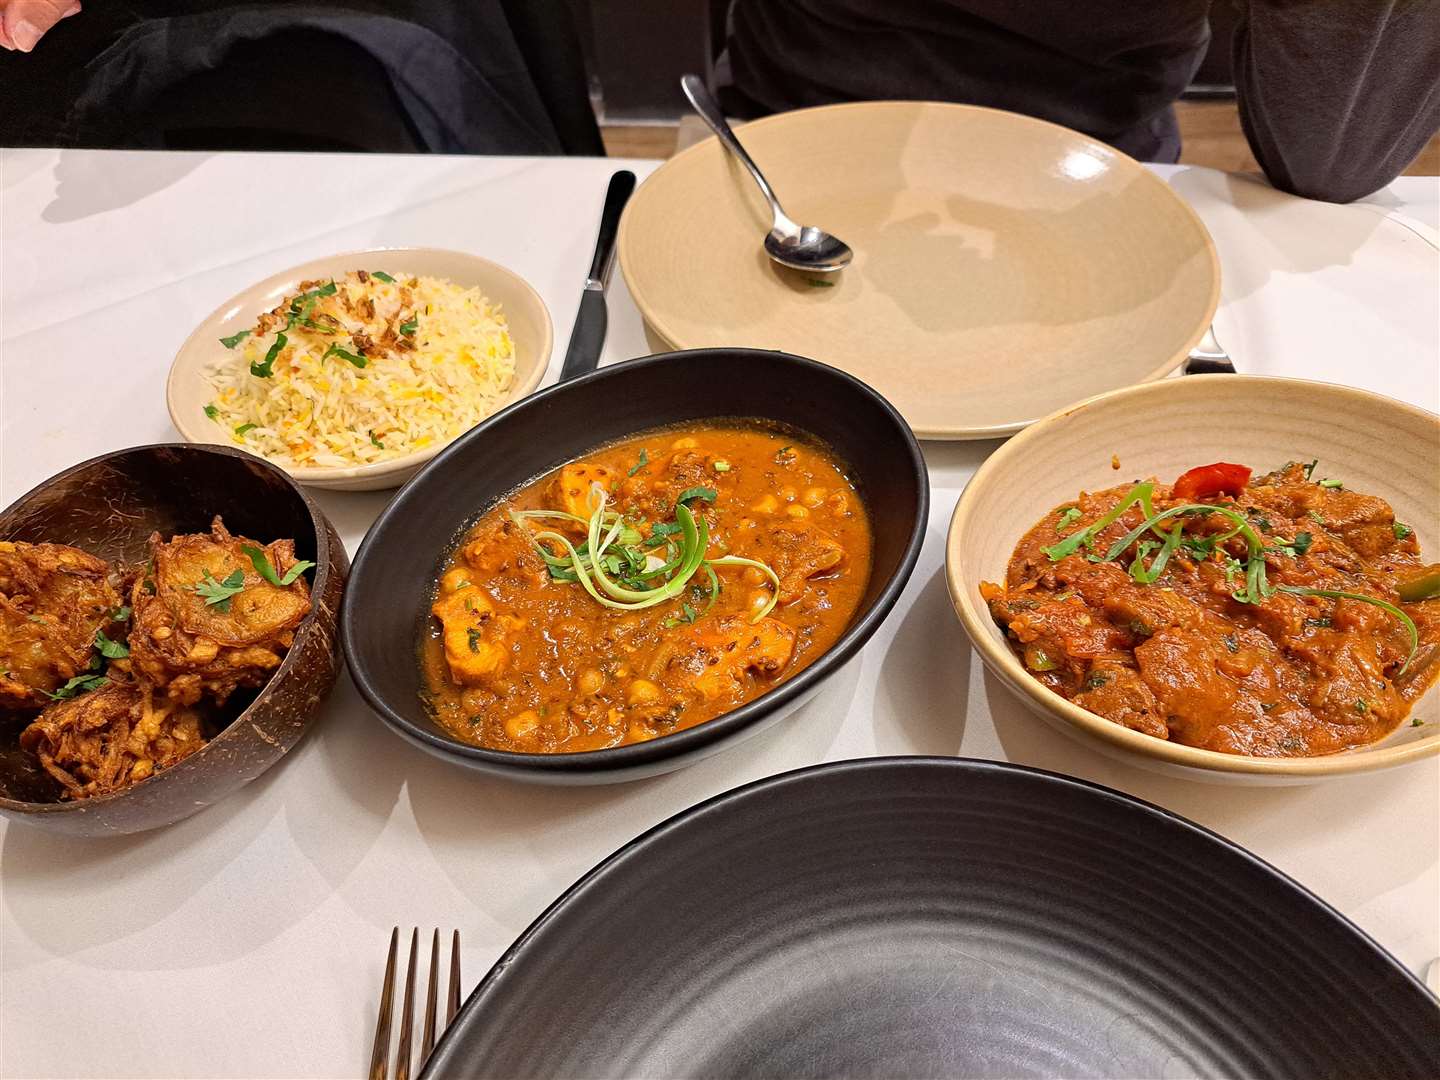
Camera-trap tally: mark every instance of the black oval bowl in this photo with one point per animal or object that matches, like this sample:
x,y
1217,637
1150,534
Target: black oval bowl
x,y
109,506
387,604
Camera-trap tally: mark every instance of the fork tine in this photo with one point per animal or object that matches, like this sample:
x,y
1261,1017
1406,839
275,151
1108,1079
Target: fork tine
x,y
427,1044
454,997
407,1013
382,1025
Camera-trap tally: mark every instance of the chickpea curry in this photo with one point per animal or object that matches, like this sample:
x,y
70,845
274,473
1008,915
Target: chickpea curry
x,y
646,588
1281,617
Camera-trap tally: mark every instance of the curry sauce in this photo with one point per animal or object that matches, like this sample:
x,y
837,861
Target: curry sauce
x,y
731,556
1208,612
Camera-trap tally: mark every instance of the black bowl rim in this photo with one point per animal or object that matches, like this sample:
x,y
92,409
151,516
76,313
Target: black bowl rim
x,y
638,846
634,755
323,570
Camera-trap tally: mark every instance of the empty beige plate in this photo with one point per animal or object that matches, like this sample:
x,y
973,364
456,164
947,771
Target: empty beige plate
x,y
1374,444
1004,267
188,391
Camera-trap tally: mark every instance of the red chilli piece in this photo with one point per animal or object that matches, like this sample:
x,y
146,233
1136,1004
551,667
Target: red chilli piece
x,y
1207,481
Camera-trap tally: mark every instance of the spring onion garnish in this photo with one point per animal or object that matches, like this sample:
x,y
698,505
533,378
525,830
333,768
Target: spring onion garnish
x,y
383,276
241,429
375,441
721,466
622,571
266,571
1383,605
1140,494
640,463
1334,485
234,339
409,326
1401,530
212,412
1257,587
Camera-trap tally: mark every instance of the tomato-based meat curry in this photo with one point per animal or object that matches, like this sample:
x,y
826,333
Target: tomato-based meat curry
x,y
648,587
1282,617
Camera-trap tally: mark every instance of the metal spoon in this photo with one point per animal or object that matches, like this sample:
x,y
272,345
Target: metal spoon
x,y
800,247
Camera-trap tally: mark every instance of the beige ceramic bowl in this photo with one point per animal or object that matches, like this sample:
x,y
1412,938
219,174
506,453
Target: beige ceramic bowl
x,y
187,391
1004,267
1376,445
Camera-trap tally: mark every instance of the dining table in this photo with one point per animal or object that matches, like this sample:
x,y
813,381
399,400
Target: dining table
x,y
249,940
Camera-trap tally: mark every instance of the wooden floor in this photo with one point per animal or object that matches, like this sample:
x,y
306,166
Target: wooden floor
x,y
1210,133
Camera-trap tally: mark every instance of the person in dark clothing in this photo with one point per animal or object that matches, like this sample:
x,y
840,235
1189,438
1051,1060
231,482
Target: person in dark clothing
x,y
1336,97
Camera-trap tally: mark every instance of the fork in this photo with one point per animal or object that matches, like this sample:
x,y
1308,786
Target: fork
x,y
381,1053
1208,358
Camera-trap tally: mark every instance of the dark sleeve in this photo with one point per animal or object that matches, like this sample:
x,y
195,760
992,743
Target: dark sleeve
x,y
1337,96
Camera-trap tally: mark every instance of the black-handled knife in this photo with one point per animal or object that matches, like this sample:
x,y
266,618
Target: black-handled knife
x,y
588,336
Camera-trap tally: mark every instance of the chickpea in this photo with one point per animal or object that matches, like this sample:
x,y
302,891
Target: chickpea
x,y
767,504
787,493
522,724
797,512
590,682
160,633
814,497
840,503
685,444
642,692
203,651
752,575
756,602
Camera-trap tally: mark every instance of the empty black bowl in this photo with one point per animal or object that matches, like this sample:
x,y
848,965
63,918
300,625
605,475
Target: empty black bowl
x,y
387,604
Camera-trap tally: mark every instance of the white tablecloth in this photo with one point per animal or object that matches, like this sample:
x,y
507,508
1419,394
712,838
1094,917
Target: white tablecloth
x,y
248,941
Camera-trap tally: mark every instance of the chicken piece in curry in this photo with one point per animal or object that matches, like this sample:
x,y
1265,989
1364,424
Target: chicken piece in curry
x,y
651,586
1281,617
125,689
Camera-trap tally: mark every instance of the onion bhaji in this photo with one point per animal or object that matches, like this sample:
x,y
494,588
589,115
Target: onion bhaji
x,y
111,737
208,614
53,600
207,621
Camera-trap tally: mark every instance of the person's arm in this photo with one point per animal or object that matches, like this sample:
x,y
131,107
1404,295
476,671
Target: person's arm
x,y
23,22
1337,96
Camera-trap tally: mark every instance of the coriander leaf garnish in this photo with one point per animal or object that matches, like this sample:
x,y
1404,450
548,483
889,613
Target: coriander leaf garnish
x,y
1301,544
243,428
382,276
217,594
266,571
80,684
473,637
234,339
121,614
1401,530
409,326
640,463
1068,516
344,354
263,369
704,494
212,412
115,650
